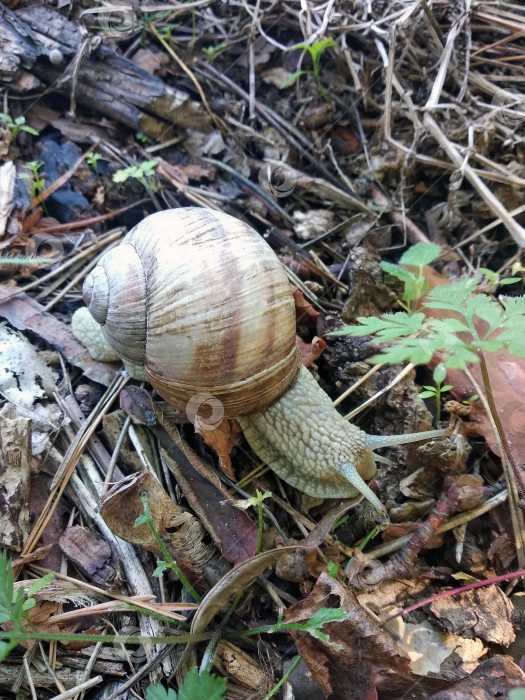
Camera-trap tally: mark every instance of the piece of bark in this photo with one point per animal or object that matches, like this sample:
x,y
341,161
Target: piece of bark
x,y
15,472
90,553
39,45
236,665
68,677
494,678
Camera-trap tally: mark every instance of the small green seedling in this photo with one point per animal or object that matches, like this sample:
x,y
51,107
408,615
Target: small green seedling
x,y
415,284
213,51
144,173
256,501
333,569
93,158
37,182
17,125
494,279
315,50
168,30
169,563
439,376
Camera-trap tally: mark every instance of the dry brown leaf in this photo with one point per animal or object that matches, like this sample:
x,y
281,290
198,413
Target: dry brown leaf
x,y
483,612
310,352
231,529
90,553
305,312
365,646
221,439
180,531
492,679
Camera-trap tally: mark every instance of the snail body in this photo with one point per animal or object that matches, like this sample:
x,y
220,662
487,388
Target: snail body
x,y
200,300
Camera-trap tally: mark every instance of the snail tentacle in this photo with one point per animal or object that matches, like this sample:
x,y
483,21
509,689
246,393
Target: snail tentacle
x,y
377,441
349,471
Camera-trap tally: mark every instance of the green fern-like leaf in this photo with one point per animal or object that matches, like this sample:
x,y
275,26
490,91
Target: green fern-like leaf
x,y
420,254
514,306
386,327
200,686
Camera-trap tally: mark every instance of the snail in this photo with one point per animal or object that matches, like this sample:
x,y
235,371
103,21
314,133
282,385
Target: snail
x,y
202,303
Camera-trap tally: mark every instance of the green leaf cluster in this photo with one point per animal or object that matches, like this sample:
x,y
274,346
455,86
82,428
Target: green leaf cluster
x,y
196,686
37,182
146,169
17,125
415,284
315,50
472,323
213,51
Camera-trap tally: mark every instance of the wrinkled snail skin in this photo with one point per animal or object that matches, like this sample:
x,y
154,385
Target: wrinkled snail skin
x,y
312,447
306,442
202,302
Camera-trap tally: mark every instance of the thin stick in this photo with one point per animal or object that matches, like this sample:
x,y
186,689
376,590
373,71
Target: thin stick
x,y
515,230
382,391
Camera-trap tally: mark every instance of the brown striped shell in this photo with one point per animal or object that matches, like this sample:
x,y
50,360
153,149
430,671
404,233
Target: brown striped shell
x,y
201,300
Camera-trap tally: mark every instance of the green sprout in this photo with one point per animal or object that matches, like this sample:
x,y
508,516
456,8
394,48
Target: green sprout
x,y
17,125
37,182
168,30
141,137
494,279
256,501
415,284
144,173
315,50
439,376
333,569
213,51
93,158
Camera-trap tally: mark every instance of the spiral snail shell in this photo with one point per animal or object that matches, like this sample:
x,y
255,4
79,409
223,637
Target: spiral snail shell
x,y
201,301
194,297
